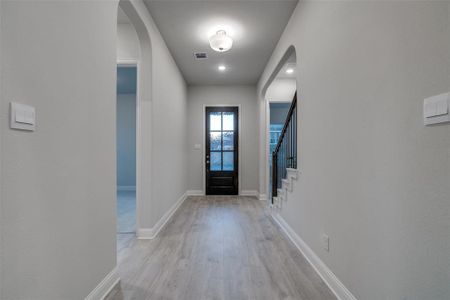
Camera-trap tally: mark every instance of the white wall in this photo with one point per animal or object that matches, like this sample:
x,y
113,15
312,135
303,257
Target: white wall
x,y
372,176
198,96
58,184
281,90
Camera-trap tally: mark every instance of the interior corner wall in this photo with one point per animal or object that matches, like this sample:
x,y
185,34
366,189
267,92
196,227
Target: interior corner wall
x,y
373,177
58,183
245,96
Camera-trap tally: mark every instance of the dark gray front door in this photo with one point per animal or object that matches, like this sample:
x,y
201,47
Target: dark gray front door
x,y
221,159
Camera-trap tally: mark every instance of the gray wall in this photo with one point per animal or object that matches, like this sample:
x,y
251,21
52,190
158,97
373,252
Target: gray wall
x,y
126,140
58,192
278,112
372,176
58,195
198,96
126,126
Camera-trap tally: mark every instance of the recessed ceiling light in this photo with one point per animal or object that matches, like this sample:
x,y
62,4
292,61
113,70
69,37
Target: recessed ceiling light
x,y
289,71
221,42
221,68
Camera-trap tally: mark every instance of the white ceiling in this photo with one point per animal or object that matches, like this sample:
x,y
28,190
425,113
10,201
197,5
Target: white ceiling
x,y
284,86
254,25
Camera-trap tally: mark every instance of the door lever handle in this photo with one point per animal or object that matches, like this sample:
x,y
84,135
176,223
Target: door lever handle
x,y
207,161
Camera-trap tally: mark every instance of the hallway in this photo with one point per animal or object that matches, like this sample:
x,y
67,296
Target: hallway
x,y
221,247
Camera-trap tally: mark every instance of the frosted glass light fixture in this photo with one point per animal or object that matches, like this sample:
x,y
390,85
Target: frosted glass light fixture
x,y
221,42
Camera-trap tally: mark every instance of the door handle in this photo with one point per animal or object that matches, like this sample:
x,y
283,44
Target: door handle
x,y
207,161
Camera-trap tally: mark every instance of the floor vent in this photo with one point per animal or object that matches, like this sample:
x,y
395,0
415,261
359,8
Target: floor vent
x,y
200,55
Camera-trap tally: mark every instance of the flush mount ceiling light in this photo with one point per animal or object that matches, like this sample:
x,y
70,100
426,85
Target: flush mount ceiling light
x,y
289,71
221,42
221,68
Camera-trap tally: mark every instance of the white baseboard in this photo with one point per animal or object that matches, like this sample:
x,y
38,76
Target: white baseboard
x,y
249,193
151,233
335,285
145,233
126,188
105,286
262,197
195,193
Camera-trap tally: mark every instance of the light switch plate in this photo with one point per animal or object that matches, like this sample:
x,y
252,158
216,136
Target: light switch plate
x,y
22,116
436,109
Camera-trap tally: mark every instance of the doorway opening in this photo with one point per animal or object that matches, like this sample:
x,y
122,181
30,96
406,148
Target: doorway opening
x,y
126,149
279,96
221,150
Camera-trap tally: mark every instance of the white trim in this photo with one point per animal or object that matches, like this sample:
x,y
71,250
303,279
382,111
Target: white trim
x,y
126,188
145,233
151,233
239,143
105,286
335,285
195,193
127,62
267,147
262,197
249,193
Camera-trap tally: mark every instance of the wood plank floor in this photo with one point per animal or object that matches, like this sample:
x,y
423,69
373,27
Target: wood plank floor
x,y
216,247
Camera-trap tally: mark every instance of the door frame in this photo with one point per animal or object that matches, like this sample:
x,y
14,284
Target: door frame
x,y
135,63
204,144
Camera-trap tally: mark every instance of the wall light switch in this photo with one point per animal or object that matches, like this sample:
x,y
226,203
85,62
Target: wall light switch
x,y
436,109
22,116
197,146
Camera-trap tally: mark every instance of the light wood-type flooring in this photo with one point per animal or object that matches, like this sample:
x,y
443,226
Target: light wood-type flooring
x,y
216,247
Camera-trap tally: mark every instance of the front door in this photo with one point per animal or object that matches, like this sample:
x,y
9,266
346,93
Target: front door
x,y
221,159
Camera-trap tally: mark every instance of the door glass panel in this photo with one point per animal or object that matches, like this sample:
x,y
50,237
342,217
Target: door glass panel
x,y
215,140
216,161
228,121
215,121
228,161
228,140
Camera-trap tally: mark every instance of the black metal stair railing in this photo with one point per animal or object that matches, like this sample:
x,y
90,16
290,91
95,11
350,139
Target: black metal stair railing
x,y
285,154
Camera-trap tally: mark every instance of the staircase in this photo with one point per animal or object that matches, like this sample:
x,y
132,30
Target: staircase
x,y
284,158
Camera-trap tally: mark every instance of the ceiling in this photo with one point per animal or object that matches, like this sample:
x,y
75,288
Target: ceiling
x,y
254,25
284,85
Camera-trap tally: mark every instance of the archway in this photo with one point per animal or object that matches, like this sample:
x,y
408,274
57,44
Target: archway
x,y
277,94
143,115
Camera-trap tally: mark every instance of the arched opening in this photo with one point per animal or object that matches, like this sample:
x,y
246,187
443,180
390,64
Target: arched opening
x,y
278,94
136,53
